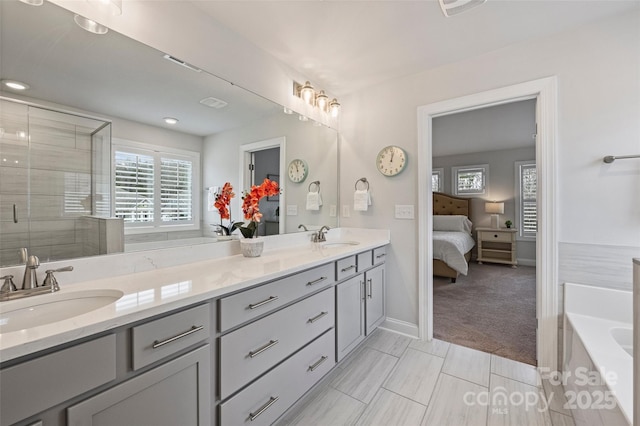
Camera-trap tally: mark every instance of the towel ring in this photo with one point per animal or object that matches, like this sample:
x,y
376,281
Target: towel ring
x,y
317,184
363,180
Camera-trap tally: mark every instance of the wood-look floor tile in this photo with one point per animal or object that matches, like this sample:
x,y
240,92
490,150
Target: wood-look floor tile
x,y
558,419
516,403
388,408
388,342
365,374
328,407
455,402
434,347
515,370
556,397
468,364
415,376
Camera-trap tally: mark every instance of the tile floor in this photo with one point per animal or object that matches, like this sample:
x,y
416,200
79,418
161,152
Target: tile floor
x,y
394,380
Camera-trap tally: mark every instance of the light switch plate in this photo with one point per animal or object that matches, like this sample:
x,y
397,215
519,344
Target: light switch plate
x,y
333,210
404,211
292,210
346,212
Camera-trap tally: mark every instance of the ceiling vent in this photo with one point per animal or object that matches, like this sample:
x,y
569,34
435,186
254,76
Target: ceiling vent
x,y
182,63
456,7
213,102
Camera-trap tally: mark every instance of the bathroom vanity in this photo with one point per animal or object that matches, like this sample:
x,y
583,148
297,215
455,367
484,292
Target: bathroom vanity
x,y
226,341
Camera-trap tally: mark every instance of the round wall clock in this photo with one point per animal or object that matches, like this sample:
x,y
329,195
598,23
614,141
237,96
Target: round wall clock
x,y
298,170
391,160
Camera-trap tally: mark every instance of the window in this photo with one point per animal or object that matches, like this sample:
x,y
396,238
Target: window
x,y
470,180
437,180
526,194
155,189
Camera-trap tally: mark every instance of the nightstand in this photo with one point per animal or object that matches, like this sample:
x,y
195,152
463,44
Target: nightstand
x,y
497,246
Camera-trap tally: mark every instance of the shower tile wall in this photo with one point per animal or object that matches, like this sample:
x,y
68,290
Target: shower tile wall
x,y
46,173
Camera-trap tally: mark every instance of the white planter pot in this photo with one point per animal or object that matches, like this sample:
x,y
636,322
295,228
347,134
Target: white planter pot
x,y
251,247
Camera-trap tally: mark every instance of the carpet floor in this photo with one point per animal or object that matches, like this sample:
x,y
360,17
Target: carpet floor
x,y
492,309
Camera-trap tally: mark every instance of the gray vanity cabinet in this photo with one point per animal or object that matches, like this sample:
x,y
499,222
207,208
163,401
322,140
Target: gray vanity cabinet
x,y
374,301
176,393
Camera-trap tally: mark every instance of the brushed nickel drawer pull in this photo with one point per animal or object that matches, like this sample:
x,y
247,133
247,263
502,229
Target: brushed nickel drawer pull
x,y
265,407
193,329
363,287
316,281
317,364
317,317
257,352
347,268
264,302
381,255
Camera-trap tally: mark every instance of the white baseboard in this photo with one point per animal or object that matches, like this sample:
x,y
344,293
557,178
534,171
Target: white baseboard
x,y
401,327
527,262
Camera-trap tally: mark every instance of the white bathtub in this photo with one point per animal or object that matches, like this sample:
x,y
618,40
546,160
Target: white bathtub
x,y
598,326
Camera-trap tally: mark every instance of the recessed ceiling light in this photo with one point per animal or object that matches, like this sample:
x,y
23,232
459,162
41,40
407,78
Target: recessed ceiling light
x,y
89,25
33,2
170,120
15,85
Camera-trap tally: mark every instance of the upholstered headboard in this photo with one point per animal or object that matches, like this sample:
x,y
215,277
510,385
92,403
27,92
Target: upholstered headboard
x,y
445,204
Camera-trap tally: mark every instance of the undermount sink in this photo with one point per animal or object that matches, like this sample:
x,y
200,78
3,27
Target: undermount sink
x,y
624,338
334,244
49,308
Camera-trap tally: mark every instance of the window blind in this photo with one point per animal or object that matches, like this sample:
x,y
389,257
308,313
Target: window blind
x,y
176,190
134,187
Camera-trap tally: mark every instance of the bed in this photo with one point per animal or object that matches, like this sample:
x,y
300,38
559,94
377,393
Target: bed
x,y
452,241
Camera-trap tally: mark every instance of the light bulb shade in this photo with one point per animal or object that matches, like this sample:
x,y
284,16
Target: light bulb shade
x,y
89,25
334,108
114,7
307,93
322,101
494,208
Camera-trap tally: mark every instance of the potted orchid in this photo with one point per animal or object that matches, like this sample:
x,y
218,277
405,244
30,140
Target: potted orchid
x,y
250,245
223,199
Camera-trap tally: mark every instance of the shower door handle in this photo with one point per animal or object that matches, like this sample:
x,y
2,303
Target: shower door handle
x,y
15,213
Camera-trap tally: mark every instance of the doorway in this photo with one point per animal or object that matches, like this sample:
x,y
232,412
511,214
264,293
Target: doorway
x,y
545,93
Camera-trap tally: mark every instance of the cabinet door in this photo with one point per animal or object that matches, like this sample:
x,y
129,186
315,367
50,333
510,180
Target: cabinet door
x,y
349,315
175,393
375,297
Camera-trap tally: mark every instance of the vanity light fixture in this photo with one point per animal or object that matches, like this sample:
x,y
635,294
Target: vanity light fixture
x,y
90,25
334,108
321,100
15,85
33,2
170,120
307,93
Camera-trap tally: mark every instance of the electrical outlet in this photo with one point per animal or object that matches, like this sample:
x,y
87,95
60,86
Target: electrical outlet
x,y
333,210
292,210
404,211
346,212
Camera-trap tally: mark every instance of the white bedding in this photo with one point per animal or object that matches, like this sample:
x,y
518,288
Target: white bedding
x,y
450,247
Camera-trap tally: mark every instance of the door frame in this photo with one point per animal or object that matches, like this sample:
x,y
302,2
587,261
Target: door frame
x,y
245,174
545,92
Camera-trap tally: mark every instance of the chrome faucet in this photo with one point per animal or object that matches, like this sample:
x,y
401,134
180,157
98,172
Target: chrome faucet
x,y
301,226
320,236
30,280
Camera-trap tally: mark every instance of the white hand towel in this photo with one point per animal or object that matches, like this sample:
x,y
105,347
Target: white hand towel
x,y
314,201
361,200
211,198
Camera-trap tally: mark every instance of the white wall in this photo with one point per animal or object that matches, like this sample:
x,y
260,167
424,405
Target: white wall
x,y
598,70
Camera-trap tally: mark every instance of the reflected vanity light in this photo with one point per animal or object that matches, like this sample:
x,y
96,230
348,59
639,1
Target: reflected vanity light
x,y
33,2
89,25
288,111
496,209
170,120
114,6
334,108
15,85
303,118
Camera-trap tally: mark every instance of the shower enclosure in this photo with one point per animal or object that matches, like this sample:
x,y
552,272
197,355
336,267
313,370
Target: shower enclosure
x,y
55,187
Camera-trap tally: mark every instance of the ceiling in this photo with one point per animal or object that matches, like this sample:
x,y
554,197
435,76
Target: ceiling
x,y
345,46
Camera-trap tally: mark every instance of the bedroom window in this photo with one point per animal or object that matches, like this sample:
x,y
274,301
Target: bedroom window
x,y
526,193
437,180
470,180
155,190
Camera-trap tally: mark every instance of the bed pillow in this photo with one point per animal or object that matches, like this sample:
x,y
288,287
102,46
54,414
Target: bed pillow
x,y
456,223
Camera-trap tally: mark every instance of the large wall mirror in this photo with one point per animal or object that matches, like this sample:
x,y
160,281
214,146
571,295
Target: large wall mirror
x,y
88,165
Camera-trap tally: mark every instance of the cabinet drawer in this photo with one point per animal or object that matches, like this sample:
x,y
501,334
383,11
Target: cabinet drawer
x,y
247,305
379,255
346,267
500,237
365,260
271,395
41,383
157,339
253,349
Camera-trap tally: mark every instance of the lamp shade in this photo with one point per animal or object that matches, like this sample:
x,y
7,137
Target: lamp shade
x,y
494,208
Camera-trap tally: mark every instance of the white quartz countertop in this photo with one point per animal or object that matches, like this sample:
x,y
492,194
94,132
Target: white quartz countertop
x,y
160,290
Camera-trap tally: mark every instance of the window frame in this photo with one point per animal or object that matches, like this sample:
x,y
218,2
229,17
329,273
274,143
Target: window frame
x,y
158,152
438,171
454,180
522,235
